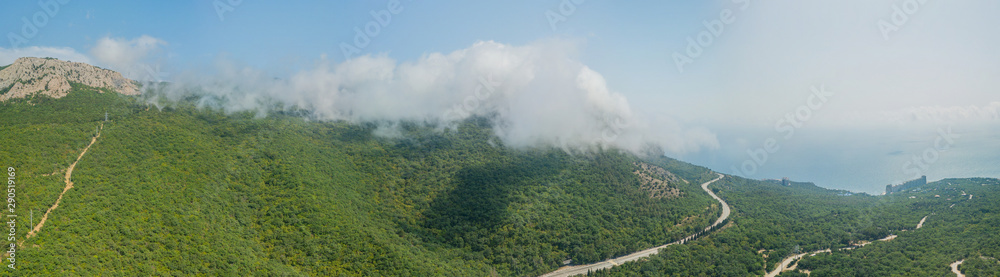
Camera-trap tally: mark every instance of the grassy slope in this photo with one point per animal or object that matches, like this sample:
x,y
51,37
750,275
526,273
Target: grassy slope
x,y
187,191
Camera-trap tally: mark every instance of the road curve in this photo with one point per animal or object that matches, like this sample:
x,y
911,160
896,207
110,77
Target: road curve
x,y
954,268
921,223
725,207
787,265
584,269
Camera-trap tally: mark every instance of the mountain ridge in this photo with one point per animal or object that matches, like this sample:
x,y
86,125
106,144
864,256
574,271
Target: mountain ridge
x,y
52,77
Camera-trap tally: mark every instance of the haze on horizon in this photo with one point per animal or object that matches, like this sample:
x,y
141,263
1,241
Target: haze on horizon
x,y
850,94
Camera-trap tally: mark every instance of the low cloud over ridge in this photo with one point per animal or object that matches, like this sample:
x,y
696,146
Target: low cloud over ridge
x,y
537,94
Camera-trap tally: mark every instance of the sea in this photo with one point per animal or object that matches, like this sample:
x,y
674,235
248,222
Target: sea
x,y
858,161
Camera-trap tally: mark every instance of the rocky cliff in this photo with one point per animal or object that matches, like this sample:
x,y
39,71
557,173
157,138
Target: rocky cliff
x,y
51,77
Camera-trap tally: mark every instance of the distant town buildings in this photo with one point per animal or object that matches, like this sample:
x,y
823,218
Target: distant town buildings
x,y
784,181
907,185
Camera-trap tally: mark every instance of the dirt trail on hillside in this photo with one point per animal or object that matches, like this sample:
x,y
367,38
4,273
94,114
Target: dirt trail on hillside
x,y
69,185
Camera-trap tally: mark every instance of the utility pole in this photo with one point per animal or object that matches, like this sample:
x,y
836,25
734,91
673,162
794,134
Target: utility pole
x,y
105,115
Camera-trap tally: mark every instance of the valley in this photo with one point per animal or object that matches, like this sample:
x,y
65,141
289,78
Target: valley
x,y
158,189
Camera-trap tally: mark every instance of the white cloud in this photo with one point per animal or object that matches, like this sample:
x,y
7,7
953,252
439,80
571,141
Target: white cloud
x,y
8,56
538,94
129,57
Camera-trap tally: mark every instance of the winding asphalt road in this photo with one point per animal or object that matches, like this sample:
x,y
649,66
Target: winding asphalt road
x,y
954,268
787,264
584,269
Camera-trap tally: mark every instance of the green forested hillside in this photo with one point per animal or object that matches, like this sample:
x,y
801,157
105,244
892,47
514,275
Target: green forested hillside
x,y
957,228
191,191
188,191
778,221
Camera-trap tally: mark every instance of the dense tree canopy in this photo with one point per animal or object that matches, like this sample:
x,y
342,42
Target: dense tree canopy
x,y
184,190
187,190
771,221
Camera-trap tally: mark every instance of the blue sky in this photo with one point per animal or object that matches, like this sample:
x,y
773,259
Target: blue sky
x,y
260,32
895,72
280,35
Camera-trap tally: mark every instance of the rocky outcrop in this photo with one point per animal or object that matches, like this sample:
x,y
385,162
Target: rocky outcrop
x,y
52,77
658,182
